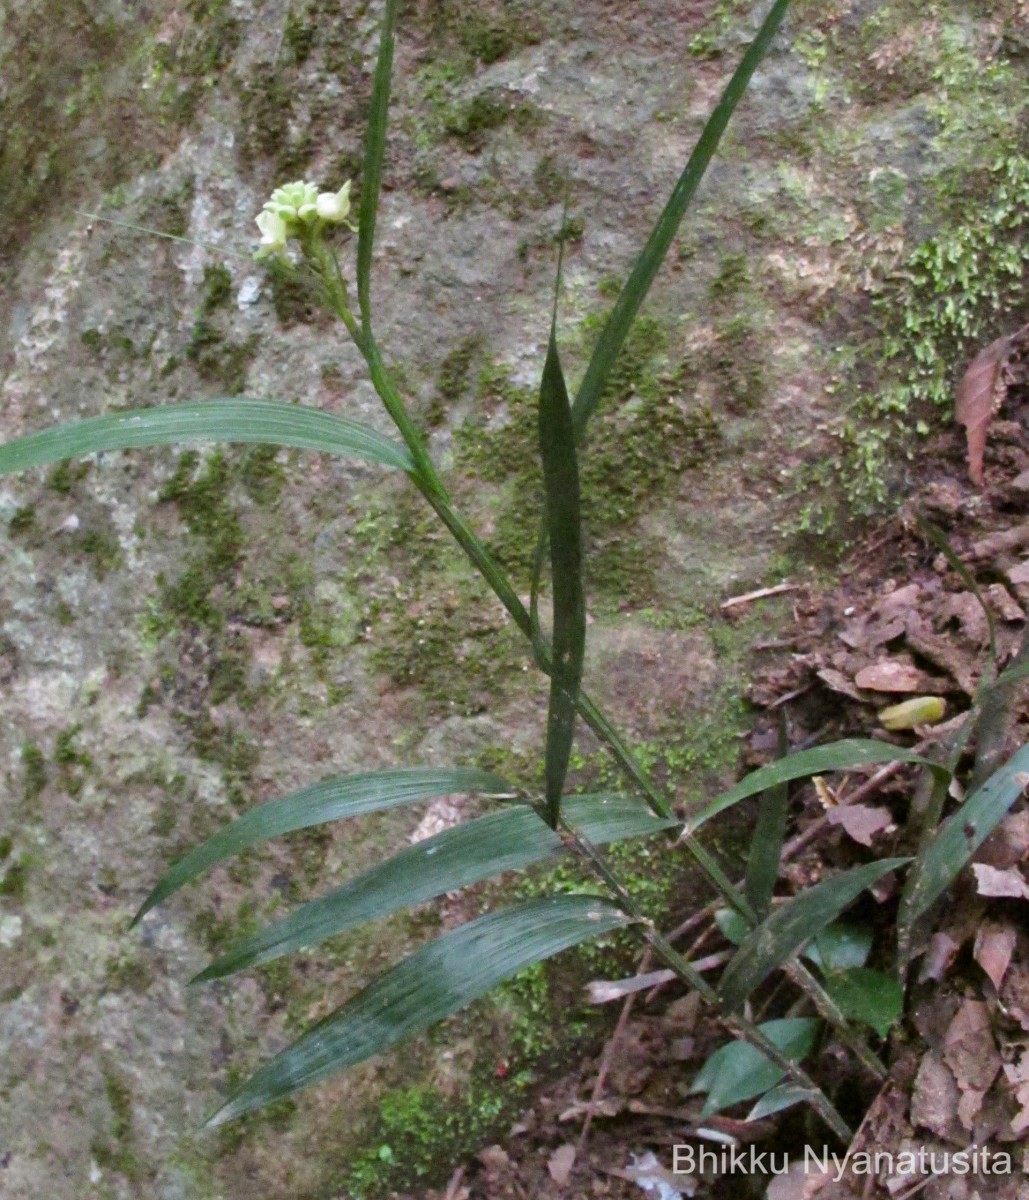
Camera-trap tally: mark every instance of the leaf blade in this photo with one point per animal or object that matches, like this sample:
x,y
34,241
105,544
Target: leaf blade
x,y
653,254
782,934
429,985
837,756
268,422
501,841
332,799
767,839
954,843
739,1071
564,527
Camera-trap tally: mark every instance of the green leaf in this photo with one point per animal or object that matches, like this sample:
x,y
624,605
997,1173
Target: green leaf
x,y
330,800
940,863
267,422
840,946
871,997
786,1095
374,156
837,756
437,980
501,841
739,1071
766,841
781,935
564,526
653,254
732,925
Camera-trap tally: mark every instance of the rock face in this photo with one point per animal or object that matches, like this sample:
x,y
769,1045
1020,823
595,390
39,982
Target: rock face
x,y
185,633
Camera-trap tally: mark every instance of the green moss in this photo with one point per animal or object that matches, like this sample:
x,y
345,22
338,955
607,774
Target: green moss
x,y
453,377
117,1153
34,764
127,974
6,846
23,520
101,547
14,879
63,477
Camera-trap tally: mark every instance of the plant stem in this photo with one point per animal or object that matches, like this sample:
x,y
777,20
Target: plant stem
x,y
738,1026
426,478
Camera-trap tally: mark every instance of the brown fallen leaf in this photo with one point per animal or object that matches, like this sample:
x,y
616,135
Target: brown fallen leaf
x,y
994,946
941,953
893,675
799,1183
969,1048
991,882
1018,1077
560,1163
979,395
934,1097
860,821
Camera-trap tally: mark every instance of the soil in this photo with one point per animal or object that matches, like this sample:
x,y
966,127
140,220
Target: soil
x,y
901,620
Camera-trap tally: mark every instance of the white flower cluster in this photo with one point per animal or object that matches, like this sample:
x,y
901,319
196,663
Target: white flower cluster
x,y
297,204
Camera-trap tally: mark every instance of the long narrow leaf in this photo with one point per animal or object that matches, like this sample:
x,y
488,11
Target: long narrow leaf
x,y
957,840
649,262
501,841
561,481
330,800
837,756
434,982
268,422
782,934
374,155
767,838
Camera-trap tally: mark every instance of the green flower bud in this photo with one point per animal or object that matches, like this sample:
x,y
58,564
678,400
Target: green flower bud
x,y
294,202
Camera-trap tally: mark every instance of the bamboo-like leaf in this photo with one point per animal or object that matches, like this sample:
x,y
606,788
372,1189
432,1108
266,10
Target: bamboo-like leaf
x,y
837,756
786,1095
434,982
871,997
268,422
781,935
940,863
739,1071
332,799
501,841
653,254
767,838
840,946
561,481
374,156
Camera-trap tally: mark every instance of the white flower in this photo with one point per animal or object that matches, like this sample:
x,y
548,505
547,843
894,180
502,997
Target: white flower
x,y
274,232
294,201
334,206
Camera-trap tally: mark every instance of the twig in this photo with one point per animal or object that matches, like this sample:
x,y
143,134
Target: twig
x,y
760,594
455,1184
605,1065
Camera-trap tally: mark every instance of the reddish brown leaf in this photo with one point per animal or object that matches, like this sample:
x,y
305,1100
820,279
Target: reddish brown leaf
x,y
860,821
974,402
560,1164
994,946
893,675
991,882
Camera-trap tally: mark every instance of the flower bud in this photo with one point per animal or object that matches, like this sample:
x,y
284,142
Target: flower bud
x,y
273,234
294,202
335,206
